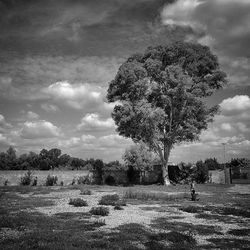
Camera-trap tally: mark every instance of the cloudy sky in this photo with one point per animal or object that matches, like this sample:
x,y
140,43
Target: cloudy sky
x,y
58,56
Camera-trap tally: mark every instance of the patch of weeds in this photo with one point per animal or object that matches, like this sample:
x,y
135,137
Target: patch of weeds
x,y
72,216
103,211
178,226
230,243
85,192
141,195
100,222
191,209
51,180
176,237
118,207
78,202
111,200
240,232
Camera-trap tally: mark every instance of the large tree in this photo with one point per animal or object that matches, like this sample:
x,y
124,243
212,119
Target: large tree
x,y
161,95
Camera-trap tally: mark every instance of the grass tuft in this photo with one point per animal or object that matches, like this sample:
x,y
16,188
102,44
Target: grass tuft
x,y
103,211
78,202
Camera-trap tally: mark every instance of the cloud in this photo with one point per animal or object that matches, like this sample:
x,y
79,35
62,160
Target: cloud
x,y
79,96
39,129
93,122
180,13
49,107
235,104
3,124
32,115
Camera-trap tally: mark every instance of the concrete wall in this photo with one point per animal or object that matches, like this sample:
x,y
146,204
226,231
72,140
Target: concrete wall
x,y
66,176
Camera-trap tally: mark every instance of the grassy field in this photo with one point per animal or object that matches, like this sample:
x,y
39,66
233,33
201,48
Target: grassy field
x,y
138,217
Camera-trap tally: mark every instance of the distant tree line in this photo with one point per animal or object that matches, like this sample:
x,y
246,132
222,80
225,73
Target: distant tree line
x,y
47,160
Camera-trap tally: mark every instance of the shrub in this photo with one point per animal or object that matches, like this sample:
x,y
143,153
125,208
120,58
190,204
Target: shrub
x,y
109,200
100,222
103,211
78,202
61,183
51,180
6,182
34,183
86,192
177,237
73,181
26,179
118,207
83,180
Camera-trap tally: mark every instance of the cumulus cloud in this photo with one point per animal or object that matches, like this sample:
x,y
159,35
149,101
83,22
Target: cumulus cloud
x,y
93,122
79,96
236,103
39,129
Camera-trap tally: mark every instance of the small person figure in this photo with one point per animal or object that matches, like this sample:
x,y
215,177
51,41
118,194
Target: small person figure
x,y
193,194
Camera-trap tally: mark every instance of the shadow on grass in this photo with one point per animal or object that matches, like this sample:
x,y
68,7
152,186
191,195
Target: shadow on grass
x,y
167,224
225,210
13,202
230,243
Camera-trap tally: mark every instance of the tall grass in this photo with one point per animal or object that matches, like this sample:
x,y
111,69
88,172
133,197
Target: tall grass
x,y
140,195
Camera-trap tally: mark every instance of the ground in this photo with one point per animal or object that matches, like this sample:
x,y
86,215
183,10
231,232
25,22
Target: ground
x,y
155,217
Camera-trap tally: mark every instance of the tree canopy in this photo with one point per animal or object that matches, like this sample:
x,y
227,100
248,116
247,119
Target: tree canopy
x,y
161,96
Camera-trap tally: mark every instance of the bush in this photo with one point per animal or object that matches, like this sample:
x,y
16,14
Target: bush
x,y
78,202
118,207
86,192
51,180
100,222
34,183
6,182
61,183
103,211
109,200
83,180
26,179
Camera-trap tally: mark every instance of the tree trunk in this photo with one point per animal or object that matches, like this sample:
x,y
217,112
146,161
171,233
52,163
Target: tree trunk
x,y
165,166
165,177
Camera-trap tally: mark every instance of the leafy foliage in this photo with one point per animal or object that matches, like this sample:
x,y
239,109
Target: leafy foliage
x,y
160,94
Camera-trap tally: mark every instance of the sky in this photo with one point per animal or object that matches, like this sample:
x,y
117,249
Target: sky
x,y
57,58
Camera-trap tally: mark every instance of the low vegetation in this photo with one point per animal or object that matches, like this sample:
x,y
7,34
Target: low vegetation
x,y
102,211
26,179
51,180
85,192
78,202
141,195
111,200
